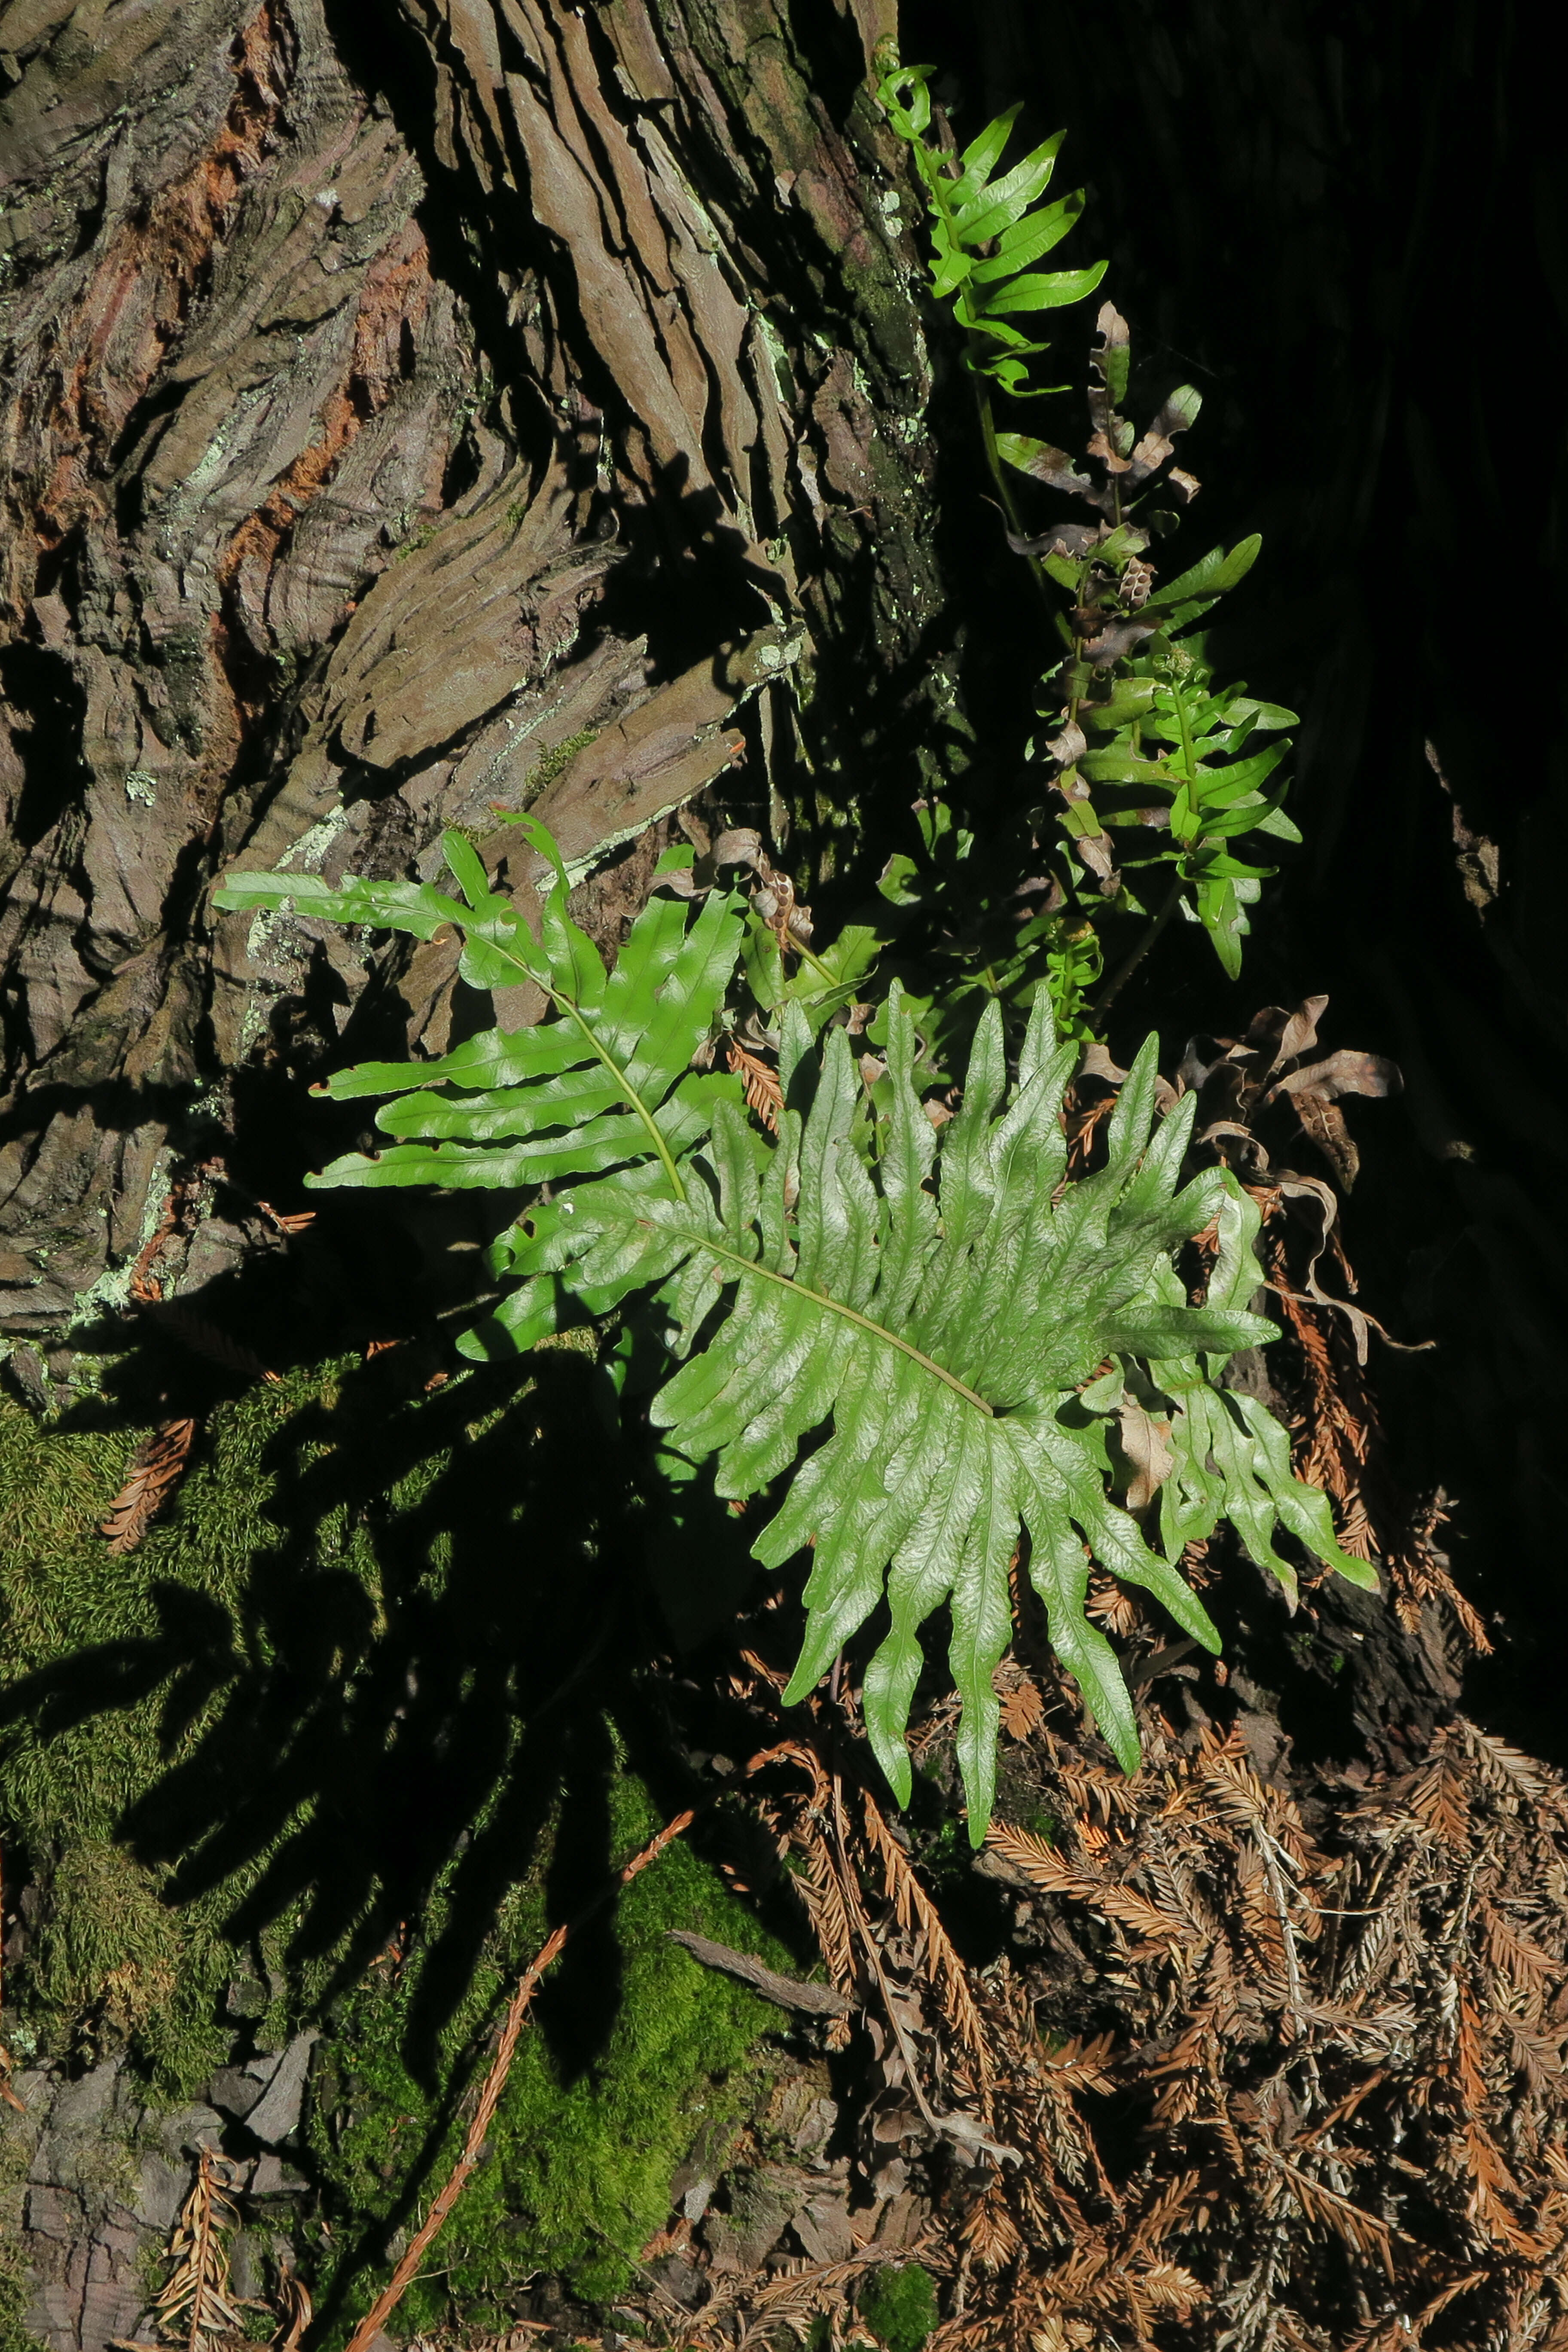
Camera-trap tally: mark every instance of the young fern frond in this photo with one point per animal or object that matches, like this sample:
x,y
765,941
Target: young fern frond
x,y
1144,741
1125,677
988,233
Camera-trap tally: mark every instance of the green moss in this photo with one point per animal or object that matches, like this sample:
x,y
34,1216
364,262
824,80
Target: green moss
x,y
554,762
110,1944
92,1734
580,2156
419,537
196,1744
898,2306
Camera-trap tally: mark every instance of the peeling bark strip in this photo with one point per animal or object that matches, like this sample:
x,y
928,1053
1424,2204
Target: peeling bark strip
x,y
542,426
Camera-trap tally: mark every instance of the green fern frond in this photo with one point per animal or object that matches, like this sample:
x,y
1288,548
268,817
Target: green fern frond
x,y
1167,748
957,1315
940,1311
606,1085
986,233
1142,738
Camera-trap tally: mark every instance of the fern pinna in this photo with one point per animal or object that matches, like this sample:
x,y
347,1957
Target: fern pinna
x,y
965,1321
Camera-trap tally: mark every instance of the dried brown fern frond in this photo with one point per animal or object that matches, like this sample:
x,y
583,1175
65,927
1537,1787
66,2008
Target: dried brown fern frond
x,y
1418,1572
205,1339
764,1095
1440,1801
1156,2224
1100,1797
1362,2232
194,2307
1507,1771
1514,1956
156,1467
991,2236
145,1284
1223,1772
819,1884
751,2315
184,1207
1023,1705
914,1910
798,1823
1265,1928
1045,1867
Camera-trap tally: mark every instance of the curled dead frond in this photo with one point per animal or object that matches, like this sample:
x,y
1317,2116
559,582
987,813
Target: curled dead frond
x,y
764,1095
194,2306
156,1467
295,2309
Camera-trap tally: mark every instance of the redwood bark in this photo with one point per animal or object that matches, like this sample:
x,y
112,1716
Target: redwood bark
x,y
384,414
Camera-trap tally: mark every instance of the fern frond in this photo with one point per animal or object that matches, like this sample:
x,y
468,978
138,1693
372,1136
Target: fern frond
x,y
1140,724
986,233
606,1085
939,1310
943,1303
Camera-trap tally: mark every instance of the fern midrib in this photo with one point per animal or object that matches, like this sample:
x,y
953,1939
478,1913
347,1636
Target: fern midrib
x,y
568,1005
850,1315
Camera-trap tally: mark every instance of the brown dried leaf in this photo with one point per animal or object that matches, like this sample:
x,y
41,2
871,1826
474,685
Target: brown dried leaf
x,y
1345,1071
156,1466
1144,1441
764,1095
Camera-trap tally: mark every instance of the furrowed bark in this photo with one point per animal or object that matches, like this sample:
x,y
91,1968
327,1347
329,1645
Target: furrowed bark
x,y
529,414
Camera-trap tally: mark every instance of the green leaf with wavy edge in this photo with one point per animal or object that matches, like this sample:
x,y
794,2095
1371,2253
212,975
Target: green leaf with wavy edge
x,y
936,1311
1041,291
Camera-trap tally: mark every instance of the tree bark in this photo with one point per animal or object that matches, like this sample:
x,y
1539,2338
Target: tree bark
x,y
523,406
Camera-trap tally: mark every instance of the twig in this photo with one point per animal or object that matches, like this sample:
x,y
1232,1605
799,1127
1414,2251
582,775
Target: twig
x,y
785,1992
402,2278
